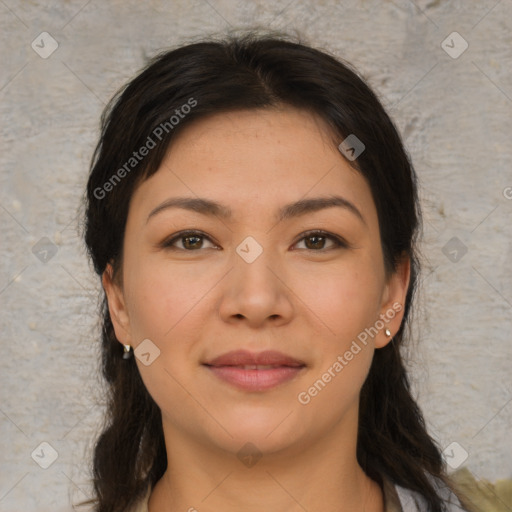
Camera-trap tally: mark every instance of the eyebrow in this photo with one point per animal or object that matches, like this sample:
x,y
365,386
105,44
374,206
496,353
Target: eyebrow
x,y
296,209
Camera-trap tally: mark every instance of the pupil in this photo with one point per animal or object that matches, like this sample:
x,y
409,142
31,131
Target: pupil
x,y
188,245
319,240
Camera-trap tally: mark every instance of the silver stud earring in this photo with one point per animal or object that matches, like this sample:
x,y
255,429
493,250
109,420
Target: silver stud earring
x,y
388,332
127,351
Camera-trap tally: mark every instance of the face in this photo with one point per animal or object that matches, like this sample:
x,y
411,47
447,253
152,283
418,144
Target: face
x,y
269,267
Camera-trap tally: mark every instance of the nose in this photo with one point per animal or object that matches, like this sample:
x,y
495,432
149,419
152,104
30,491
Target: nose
x,y
256,293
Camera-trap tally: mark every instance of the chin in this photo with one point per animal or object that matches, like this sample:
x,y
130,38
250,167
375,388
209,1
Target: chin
x,y
268,430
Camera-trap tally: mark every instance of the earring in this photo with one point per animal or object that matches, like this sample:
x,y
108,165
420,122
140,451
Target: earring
x,y
388,332
127,352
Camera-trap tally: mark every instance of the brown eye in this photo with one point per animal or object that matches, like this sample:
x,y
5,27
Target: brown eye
x,y
192,242
187,241
316,241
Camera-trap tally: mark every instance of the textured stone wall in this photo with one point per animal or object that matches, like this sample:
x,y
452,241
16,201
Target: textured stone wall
x,y
444,71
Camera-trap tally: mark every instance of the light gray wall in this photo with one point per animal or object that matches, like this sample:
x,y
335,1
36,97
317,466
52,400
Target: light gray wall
x,y
454,113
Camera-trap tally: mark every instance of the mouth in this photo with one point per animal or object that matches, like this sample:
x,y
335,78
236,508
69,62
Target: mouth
x,y
255,372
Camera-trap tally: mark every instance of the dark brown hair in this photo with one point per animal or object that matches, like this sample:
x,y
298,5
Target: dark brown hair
x,y
252,72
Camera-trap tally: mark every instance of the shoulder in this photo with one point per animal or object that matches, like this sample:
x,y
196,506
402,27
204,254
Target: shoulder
x,y
406,500
412,501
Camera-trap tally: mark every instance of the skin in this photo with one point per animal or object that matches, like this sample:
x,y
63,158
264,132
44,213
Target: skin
x,y
301,296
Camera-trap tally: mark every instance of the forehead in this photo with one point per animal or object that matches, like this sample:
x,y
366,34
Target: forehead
x,y
255,157
282,129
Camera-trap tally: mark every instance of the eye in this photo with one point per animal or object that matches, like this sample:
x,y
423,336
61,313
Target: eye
x,y
315,241
190,241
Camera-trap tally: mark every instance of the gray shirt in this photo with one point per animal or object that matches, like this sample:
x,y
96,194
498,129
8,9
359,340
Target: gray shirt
x,y
396,499
400,499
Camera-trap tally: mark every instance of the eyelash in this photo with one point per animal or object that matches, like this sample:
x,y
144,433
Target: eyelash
x,y
339,242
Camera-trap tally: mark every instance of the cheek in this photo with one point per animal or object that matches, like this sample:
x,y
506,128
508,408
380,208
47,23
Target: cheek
x,y
342,301
345,308
345,303
162,301
166,308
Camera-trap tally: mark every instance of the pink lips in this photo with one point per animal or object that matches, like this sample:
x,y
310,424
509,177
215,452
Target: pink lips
x,y
255,372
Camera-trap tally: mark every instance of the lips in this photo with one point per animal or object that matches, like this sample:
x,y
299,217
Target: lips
x,y
244,358
255,372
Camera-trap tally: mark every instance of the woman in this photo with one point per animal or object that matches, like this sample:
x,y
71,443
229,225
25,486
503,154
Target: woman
x,y
253,216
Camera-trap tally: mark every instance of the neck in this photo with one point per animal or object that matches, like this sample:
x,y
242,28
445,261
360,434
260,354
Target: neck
x,y
322,476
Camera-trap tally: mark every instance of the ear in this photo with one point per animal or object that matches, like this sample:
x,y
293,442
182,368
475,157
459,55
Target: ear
x,y
393,301
117,306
